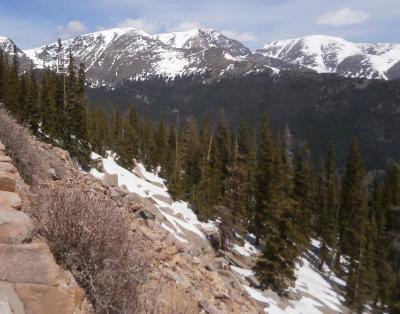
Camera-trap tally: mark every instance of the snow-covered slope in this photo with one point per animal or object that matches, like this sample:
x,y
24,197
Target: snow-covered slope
x,y
313,293
327,54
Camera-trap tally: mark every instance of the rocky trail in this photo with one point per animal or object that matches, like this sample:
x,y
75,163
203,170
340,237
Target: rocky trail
x,y
31,282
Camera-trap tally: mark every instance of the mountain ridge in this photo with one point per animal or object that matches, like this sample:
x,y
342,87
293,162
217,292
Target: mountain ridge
x,y
329,54
117,54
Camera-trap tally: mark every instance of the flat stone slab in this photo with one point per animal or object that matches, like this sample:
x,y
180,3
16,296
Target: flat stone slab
x,y
44,299
5,159
15,226
7,181
6,166
10,298
28,263
9,200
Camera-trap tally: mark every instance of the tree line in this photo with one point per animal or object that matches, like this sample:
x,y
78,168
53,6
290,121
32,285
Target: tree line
x,y
253,180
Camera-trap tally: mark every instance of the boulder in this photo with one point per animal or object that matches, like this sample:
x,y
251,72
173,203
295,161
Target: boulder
x,y
147,215
5,166
28,263
110,180
9,299
195,252
5,159
209,307
51,172
253,281
163,198
232,259
2,147
9,200
157,184
7,181
215,239
62,154
219,263
45,299
133,197
15,226
5,307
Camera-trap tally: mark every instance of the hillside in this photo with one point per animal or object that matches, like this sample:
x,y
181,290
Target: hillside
x,y
318,108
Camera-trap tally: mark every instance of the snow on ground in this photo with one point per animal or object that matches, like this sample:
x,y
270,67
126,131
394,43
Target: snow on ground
x,y
249,248
315,290
242,271
142,182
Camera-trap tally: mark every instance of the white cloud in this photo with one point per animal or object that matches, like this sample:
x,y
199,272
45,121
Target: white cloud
x,y
343,17
72,29
183,26
146,24
240,36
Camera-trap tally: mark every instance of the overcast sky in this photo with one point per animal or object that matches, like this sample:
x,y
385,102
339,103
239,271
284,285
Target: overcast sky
x,y
32,23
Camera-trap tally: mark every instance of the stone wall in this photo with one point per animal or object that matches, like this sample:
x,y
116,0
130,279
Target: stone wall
x,y
31,282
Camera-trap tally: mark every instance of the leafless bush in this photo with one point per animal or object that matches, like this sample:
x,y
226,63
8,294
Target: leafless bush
x,y
170,299
31,160
92,240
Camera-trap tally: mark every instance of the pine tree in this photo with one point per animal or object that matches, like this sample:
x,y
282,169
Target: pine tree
x,y
23,106
275,268
328,208
222,151
33,103
378,217
191,159
264,177
356,241
12,85
3,74
99,130
304,194
48,105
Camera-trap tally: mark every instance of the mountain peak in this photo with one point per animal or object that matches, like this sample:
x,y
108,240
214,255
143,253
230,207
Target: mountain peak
x,y
329,54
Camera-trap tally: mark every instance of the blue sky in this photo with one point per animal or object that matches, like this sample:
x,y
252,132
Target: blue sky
x,y
31,23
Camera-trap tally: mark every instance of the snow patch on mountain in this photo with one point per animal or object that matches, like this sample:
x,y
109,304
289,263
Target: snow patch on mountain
x,y
326,54
177,39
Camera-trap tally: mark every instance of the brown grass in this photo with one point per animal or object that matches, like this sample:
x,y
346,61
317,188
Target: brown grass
x,y
89,237
31,160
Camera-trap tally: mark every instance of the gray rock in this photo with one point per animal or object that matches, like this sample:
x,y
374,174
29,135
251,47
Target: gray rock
x,y
195,252
163,198
53,174
222,296
208,307
110,180
147,215
254,282
218,264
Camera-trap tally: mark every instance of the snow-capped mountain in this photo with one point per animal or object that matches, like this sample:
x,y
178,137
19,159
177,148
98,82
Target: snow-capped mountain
x,y
7,46
120,54
326,54
201,39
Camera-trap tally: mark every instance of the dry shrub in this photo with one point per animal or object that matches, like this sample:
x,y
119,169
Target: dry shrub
x,y
163,296
31,160
92,240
